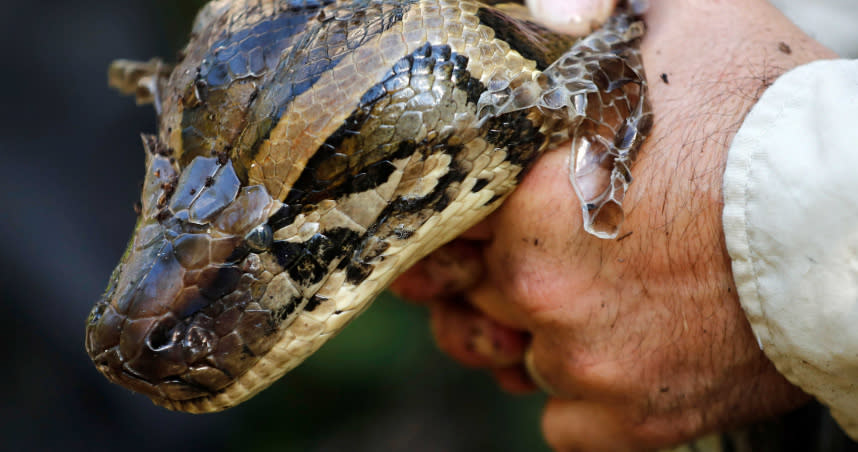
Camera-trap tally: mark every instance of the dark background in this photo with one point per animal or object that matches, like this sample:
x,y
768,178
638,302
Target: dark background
x,y
71,165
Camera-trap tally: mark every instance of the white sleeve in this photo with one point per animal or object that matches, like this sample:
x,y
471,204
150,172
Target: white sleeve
x,y
791,225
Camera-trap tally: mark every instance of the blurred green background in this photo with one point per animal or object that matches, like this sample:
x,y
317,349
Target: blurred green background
x,y
383,385
72,162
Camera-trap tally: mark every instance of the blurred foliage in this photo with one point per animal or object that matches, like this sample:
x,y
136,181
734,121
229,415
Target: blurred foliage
x,y
380,385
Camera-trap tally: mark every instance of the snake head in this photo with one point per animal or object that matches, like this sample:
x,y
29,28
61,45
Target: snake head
x,y
180,318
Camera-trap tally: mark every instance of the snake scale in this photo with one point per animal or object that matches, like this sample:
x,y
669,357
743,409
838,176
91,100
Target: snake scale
x,y
309,151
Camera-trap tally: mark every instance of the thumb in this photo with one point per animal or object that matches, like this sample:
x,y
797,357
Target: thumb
x,y
576,17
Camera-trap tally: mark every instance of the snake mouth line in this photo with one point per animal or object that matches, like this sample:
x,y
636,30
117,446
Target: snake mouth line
x,y
169,359
161,393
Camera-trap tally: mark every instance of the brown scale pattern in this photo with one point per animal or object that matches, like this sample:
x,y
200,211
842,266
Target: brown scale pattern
x,y
309,151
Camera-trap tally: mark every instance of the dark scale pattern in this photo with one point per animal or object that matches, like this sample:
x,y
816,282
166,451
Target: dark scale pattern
x,y
331,246
309,262
287,253
256,48
287,309
283,52
518,134
314,303
354,159
479,185
307,271
338,32
408,210
284,216
242,48
531,40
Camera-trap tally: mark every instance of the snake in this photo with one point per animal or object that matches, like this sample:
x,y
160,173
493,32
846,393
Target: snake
x,y
309,151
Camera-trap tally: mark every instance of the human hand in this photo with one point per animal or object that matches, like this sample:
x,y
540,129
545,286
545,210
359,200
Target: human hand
x,y
641,340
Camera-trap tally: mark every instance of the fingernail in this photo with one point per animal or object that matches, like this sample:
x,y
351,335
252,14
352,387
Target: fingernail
x,y
533,373
577,17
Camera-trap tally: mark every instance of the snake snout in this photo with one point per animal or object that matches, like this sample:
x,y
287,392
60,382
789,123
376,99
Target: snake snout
x,y
177,332
143,355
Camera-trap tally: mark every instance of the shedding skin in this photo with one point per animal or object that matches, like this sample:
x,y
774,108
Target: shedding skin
x,y
310,151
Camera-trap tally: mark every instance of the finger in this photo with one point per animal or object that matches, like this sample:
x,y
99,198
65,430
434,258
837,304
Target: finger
x,y
473,339
544,363
451,269
562,367
489,298
585,426
576,17
418,285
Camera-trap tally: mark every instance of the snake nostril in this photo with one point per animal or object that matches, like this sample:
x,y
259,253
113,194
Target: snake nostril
x,y
159,339
164,335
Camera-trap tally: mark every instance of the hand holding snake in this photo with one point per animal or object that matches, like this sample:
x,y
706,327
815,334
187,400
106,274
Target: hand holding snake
x,y
310,150
641,340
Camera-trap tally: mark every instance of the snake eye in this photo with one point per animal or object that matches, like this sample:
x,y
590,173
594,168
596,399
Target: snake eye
x,y
260,238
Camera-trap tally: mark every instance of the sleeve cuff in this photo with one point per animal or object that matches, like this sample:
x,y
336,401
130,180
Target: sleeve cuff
x,y
791,226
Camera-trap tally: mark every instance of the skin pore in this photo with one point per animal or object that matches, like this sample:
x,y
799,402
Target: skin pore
x,y
641,340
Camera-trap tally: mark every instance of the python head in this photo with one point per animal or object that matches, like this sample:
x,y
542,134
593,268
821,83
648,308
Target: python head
x,y
184,314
